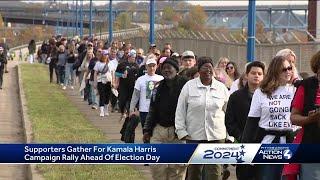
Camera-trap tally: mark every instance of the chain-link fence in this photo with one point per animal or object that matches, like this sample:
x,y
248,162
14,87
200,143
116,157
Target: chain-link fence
x,y
215,46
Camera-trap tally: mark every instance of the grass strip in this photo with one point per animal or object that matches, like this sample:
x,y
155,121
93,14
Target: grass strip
x,y
55,120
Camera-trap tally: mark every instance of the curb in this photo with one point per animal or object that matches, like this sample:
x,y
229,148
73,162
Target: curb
x,y
32,172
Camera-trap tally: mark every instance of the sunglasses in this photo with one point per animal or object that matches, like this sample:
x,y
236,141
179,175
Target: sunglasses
x,y
157,54
230,67
289,68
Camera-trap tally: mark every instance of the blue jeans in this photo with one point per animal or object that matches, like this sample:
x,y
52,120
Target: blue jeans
x,y
69,74
61,70
269,171
92,98
80,80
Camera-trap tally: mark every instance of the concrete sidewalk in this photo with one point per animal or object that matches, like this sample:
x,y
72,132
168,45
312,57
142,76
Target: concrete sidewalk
x,y
11,128
109,125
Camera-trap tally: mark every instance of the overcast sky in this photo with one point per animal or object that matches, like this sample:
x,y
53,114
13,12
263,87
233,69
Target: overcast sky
x,y
205,3
245,3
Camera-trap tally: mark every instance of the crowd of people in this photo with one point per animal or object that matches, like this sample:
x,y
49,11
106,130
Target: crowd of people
x,y
183,98
4,57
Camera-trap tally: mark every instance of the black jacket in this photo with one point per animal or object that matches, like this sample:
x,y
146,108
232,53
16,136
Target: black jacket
x,y
311,131
163,104
237,112
2,60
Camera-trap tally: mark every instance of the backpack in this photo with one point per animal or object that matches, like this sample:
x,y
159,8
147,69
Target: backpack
x,y
128,129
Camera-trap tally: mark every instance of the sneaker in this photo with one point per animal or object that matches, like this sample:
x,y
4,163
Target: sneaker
x,y
101,111
71,87
94,107
123,117
61,84
106,113
64,87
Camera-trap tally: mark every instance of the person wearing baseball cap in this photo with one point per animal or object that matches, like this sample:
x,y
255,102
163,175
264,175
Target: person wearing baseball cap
x,y
132,53
2,62
187,61
126,75
143,89
159,126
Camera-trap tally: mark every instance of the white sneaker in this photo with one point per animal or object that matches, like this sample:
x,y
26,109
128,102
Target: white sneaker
x,y
123,117
71,87
61,84
106,110
64,87
94,107
101,111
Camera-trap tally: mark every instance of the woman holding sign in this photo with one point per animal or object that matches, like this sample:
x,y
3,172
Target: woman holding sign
x,y
270,112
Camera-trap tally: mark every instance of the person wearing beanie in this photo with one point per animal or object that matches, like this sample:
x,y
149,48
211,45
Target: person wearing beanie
x,y
200,115
159,126
172,62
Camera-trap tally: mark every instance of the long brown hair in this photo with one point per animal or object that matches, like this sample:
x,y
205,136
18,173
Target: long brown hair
x,y
271,80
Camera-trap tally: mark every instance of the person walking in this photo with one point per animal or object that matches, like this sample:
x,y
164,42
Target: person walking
x,y
61,64
102,82
200,115
53,59
126,75
159,126
238,109
269,116
143,89
32,50
305,112
69,72
2,62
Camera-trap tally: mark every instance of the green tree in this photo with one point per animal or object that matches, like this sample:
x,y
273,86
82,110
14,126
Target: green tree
x,y
1,22
195,20
144,17
168,13
123,21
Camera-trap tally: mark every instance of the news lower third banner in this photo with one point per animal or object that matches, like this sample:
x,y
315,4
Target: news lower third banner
x,y
159,153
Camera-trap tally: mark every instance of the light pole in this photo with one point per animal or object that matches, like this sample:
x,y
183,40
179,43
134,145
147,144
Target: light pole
x,y
251,30
77,15
90,19
81,18
110,22
152,13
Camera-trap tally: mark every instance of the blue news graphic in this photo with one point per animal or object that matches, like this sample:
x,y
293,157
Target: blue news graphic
x,y
160,153
96,153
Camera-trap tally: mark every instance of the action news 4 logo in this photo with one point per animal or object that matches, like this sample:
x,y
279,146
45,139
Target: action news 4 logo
x,y
287,154
275,153
231,153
